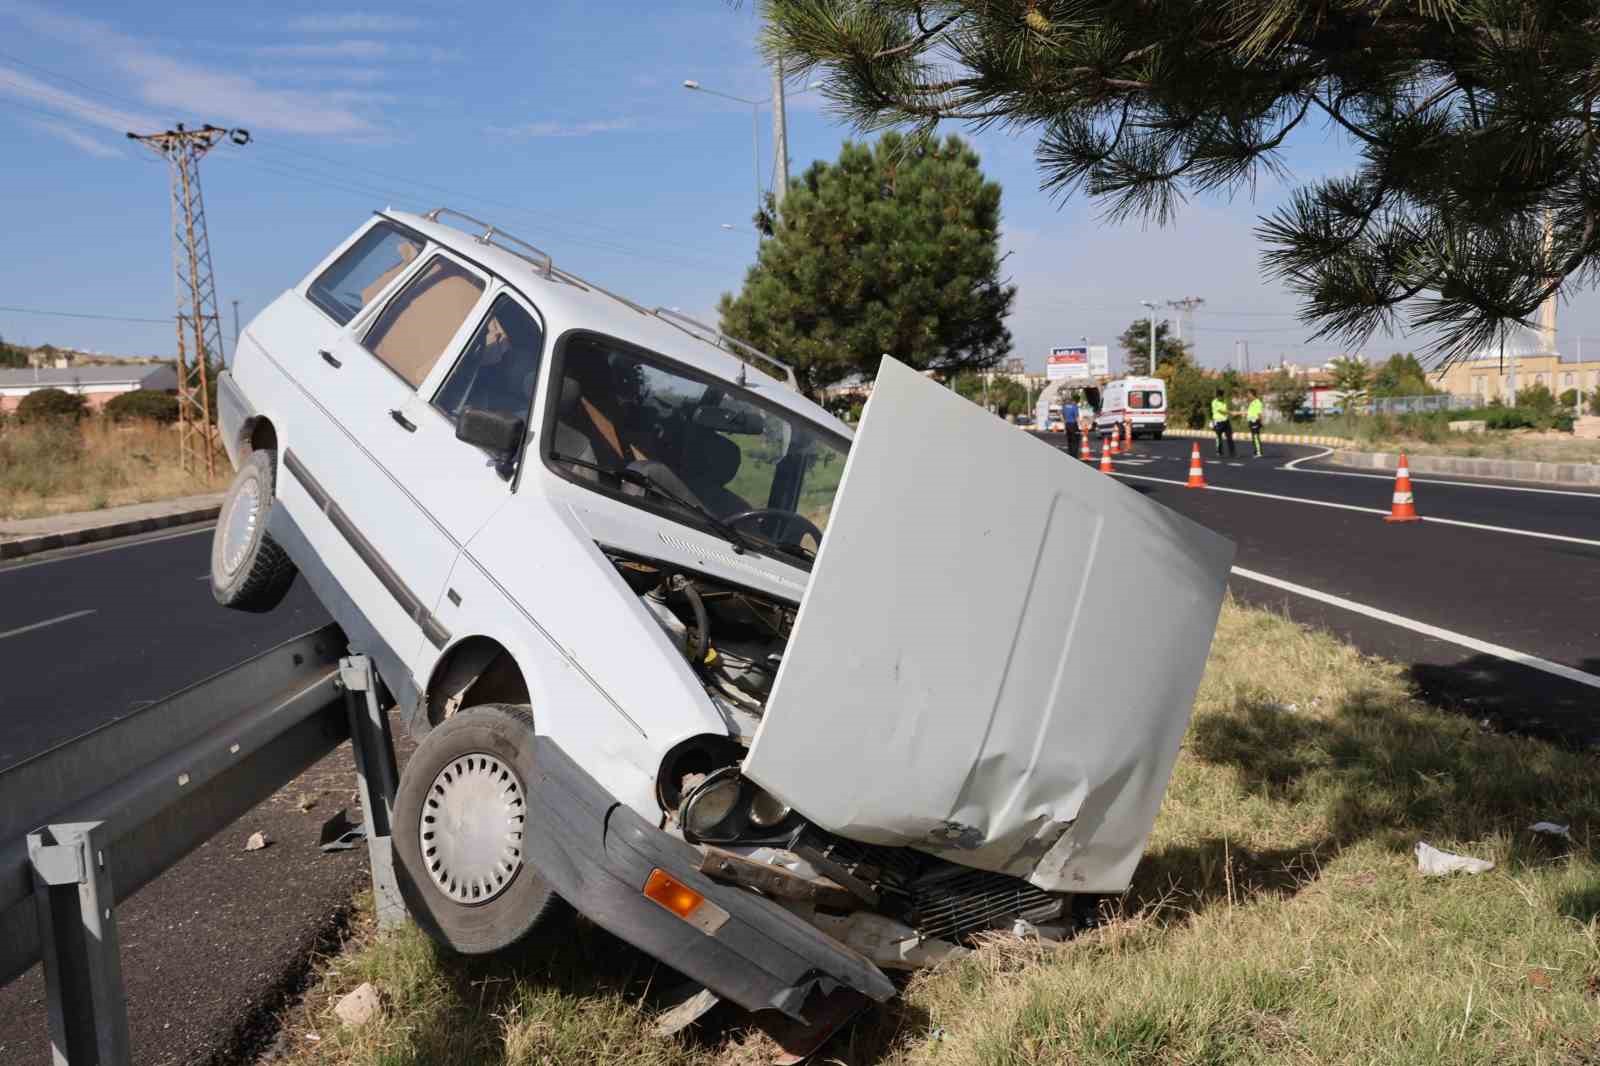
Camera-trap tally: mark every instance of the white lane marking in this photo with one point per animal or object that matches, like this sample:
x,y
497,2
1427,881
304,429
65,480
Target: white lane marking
x,y
1306,458
1371,510
203,577
7,569
1508,654
46,622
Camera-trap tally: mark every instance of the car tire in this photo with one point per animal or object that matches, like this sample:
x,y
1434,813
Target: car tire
x,y
249,570
457,885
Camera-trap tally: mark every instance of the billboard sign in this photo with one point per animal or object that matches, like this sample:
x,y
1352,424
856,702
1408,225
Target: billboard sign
x,y
1077,362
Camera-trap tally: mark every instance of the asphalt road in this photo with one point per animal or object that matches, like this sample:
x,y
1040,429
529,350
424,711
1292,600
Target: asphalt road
x,y
213,945
1509,566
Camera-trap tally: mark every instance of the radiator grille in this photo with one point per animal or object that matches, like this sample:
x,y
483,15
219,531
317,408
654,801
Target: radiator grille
x,y
953,906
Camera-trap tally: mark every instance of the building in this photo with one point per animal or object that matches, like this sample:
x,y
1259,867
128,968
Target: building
x,y
96,384
1527,357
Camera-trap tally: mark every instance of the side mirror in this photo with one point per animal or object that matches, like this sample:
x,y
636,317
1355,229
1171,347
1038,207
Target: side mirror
x,y
499,435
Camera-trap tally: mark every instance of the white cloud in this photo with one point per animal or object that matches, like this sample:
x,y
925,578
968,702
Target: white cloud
x,y
343,75
194,92
564,129
15,83
360,50
356,22
78,139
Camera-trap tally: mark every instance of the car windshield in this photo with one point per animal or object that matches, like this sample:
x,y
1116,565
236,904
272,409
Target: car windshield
x,y
631,424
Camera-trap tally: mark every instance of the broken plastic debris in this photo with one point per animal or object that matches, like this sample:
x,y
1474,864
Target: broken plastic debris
x,y
1435,863
1552,829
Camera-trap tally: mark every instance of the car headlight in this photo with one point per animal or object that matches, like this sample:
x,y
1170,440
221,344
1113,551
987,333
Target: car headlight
x,y
709,805
766,810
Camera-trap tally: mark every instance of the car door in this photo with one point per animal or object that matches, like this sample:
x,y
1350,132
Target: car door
x,y
460,486
404,548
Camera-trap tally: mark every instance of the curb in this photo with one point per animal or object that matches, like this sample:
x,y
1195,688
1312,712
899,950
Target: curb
x,y
1580,475
1266,438
15,549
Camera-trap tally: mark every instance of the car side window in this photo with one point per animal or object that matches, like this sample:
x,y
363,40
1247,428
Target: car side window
x,y
499,367
414,330
365,269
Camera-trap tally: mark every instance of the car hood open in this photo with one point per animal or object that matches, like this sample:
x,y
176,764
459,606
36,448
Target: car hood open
x,y
997,655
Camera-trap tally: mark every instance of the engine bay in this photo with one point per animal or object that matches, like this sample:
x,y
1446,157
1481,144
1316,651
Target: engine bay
x,y
902,907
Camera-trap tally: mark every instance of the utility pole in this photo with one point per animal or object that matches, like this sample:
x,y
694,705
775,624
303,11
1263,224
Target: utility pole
x,y
199,332
236,329
780,136
1187,306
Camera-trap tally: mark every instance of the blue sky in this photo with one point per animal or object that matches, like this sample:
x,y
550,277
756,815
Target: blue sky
x,y
565,123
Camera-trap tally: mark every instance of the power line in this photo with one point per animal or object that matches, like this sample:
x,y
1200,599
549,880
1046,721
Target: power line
x,y
80,314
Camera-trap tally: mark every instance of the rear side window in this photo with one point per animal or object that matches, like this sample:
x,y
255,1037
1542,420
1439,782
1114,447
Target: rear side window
x,y
498,370
416,327
363,271
1147,399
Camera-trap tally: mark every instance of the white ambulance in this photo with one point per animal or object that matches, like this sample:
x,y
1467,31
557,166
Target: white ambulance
x,y
1141,400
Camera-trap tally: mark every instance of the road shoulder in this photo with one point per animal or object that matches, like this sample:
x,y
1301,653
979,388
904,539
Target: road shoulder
x,y
27,536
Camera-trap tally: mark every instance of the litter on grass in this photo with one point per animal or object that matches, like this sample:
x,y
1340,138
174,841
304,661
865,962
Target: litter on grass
x,y
1435,863
1552,829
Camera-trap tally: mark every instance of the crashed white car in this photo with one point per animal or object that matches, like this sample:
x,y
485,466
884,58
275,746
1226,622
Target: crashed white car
x,y
783,708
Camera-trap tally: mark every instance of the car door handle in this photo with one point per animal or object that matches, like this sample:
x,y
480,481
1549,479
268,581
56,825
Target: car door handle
x,y
327,357
404,422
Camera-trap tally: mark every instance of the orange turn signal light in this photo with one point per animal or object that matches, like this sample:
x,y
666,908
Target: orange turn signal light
x,y
672,894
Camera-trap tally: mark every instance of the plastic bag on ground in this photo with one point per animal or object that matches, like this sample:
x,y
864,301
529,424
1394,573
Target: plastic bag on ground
x,y
1435,863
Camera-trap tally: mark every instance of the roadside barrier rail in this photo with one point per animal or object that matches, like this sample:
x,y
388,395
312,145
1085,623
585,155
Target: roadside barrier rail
x,y
89,822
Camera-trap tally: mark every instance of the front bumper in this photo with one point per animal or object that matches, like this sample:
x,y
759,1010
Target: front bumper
x,y
597,854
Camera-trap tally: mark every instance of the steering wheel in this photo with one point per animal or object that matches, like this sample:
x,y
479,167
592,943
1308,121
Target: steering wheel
x,y
785,519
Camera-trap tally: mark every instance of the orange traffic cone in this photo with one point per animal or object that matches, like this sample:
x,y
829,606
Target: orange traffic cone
x,y
1127,433
1111,441
1404,508
1197,476
1105,456
1083,448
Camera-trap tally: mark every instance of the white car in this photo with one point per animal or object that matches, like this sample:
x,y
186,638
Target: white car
x,y
678,649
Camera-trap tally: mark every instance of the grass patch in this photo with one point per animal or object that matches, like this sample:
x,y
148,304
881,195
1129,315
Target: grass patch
x,y
1430,434
60,467
1277,917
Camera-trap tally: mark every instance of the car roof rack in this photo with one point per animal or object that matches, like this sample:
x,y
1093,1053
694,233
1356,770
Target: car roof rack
x,y
502,240
541,260
747,355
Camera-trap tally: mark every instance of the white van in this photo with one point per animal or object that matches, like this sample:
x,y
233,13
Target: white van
x,y
1143,400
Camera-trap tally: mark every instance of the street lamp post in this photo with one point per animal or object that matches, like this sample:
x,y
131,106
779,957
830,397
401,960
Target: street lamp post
x,y
755,132
1152,306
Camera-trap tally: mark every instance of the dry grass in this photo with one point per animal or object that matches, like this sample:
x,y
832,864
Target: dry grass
x,y
1278,915
57,468
1527,444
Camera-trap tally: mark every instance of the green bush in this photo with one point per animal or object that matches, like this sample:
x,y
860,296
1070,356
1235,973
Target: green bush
x,y
51,404
1537,398
146,404
1569,398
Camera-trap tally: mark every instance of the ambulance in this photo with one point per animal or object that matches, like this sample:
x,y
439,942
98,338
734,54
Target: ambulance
x,y
1141,400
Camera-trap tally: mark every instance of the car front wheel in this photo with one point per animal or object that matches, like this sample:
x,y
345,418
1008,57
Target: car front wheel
x,y
459,820
249,570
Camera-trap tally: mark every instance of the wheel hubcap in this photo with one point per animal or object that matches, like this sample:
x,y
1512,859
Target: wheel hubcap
x,y
471,829
241,525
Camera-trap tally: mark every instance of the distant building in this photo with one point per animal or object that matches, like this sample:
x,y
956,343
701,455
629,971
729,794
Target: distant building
x,y
96,384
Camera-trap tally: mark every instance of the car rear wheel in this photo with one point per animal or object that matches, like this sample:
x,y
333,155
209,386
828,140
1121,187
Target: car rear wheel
x,y
459,820
249,570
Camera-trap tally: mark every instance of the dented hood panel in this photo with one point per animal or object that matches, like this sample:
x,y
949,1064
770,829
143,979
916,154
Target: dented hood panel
x,y
998,652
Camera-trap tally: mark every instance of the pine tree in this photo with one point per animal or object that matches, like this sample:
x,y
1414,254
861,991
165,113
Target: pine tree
x,y
1476,189
893,249
1135,342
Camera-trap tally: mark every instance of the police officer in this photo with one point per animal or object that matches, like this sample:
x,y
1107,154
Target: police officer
x,y
1220,424
1253,414
1069,422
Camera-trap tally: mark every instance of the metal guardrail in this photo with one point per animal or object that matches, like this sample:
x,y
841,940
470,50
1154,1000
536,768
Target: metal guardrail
x,y
91,821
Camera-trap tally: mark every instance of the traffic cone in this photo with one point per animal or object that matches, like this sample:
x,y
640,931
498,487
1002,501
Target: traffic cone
x,y
1111,441
1127,431
1404,508
1105,456
1083,448
1197,476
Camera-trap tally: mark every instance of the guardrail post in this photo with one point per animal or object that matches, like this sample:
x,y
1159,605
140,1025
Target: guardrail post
x,y
376,778
78,940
